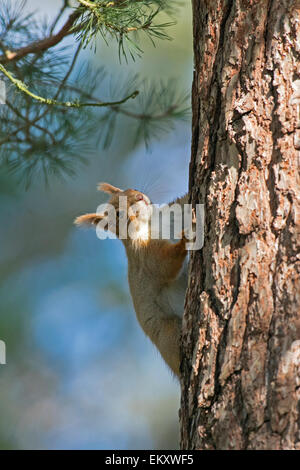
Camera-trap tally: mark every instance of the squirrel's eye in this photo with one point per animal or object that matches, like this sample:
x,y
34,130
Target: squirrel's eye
x,y
139,197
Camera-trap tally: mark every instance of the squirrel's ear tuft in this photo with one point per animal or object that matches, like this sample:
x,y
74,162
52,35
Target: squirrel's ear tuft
x,y
108,188
88,219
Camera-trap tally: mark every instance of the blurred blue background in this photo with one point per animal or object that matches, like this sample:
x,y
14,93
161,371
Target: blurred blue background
x,y
80,373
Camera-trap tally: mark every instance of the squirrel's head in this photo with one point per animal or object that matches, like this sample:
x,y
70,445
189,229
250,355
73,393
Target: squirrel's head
x,y
127,210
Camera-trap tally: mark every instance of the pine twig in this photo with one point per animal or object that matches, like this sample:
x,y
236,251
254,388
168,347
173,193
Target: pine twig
x,y
43,44
68,104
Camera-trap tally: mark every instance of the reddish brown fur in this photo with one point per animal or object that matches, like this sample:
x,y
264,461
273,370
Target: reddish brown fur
x,y
153,268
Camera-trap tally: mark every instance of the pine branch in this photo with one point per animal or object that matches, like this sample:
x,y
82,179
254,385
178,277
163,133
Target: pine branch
x,y
122,21
53,102
168,112
45,128
91,18
43,44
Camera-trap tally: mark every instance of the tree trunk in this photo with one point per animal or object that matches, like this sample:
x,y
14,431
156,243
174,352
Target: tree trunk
x,y
241,327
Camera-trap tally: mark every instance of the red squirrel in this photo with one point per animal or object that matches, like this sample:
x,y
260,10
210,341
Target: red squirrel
x,y
157,271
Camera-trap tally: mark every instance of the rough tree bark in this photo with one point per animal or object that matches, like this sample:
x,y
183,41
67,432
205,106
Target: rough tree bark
x,y
241,328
